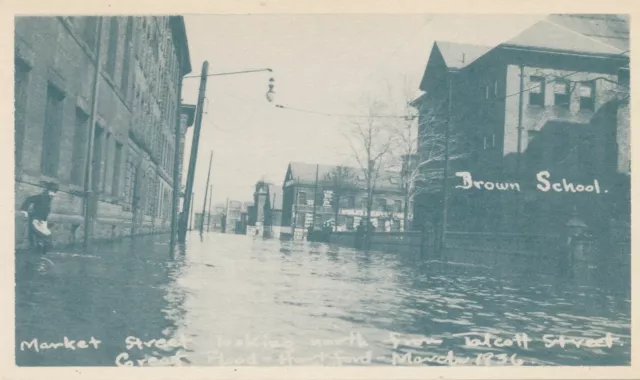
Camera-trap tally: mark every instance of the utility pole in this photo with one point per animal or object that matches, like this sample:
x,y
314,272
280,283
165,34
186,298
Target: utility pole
x,y
206,191
191,212
209,215
445,179
194,153
519,155
315,197
176,165
520,99
295,215
88,172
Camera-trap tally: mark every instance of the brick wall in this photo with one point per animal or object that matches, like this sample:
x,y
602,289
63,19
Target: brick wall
x,y
55,52
624,140
534,117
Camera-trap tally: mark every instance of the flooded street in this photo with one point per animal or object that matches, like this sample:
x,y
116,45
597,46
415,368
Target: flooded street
x,y
235,300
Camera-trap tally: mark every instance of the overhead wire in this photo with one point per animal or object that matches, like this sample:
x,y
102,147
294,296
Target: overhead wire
x,y
484,101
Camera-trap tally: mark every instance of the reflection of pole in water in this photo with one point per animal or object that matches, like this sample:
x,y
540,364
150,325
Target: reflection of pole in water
x,y
209,214
206,190
190,216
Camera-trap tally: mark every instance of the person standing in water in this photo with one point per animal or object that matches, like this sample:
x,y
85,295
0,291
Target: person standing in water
x,y
37,208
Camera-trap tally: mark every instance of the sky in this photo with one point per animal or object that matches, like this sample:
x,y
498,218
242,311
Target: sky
x,y
321,63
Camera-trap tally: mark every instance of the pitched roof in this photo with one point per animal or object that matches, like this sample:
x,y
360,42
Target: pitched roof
x,y
610,29
457,56
591,34
304,173
449,57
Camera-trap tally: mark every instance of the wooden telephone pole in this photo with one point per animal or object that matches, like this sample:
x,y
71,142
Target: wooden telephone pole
x,y
206,191
182,231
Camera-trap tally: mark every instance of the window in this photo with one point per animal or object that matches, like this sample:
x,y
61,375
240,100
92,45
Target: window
x,y
561,94
350,222
493,140
484,142
21,82
398,205
171,154
536,91
117,163
395,225
351,202
587,96
129,182
113,47
126,60
89,31
486,92
52,131
167,155
79,147
302,198
107,150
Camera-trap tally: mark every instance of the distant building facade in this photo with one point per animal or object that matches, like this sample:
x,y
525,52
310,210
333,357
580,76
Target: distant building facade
x,y
531,104
236,216
141,62
298,200
265,216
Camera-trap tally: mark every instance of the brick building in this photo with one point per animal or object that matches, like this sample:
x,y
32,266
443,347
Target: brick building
x,y
142,59
553,98
298,199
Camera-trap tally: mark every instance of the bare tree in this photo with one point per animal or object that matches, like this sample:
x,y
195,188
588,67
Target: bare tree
x,y
342,179
419,144
371,145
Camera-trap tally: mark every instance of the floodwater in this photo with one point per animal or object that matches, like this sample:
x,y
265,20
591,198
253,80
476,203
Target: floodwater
x,y
236,300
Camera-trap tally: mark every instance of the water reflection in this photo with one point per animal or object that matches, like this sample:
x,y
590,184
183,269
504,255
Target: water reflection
x,y
229,297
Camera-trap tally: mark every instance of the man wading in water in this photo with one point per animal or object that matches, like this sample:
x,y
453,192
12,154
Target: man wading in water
x,y
40,206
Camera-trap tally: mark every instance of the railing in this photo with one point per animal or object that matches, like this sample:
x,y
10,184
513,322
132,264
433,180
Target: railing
x,y
474,241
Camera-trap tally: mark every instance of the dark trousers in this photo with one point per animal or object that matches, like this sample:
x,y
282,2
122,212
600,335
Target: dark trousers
x,y
36,240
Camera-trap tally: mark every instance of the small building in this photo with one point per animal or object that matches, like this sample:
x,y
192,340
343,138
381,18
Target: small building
x,y
337,197
216,217
236,216
265,217
233,213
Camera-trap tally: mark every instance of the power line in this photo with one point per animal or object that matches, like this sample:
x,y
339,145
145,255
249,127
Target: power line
x,y
229,73
341,115
555,79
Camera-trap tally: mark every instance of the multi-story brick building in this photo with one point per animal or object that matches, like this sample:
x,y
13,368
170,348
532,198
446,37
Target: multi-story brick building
x,y
142,60
552,98
298,201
